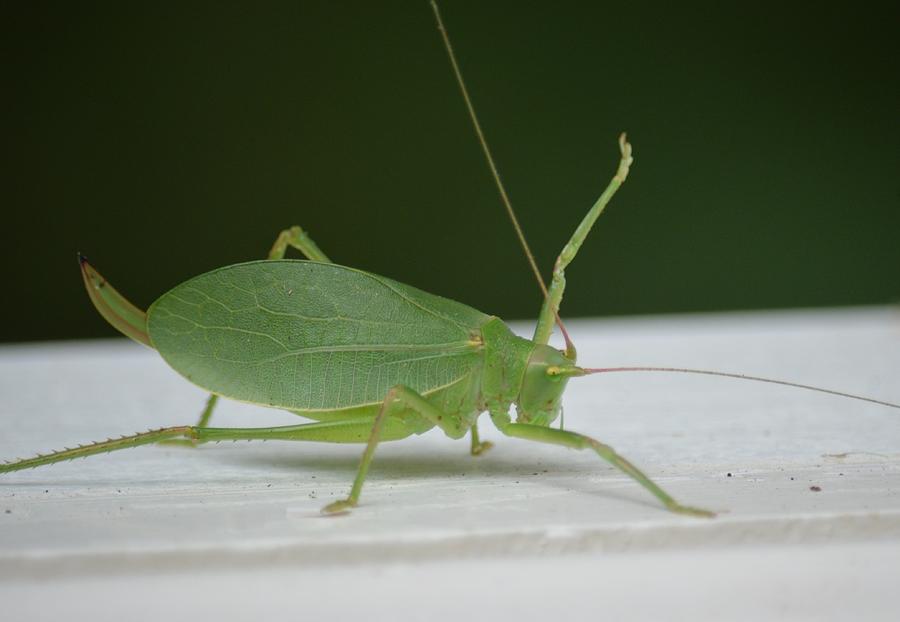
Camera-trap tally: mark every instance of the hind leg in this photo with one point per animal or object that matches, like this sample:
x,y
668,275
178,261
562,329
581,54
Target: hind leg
x,y
203,422
299,239
342,431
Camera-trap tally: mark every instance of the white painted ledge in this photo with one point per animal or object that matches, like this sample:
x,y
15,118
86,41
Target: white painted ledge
x,y
525,531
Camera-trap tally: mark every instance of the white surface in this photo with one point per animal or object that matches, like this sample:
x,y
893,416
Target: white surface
x,y
526,530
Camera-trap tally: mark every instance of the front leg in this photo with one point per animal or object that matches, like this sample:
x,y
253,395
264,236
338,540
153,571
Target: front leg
x,y
400,398
580,441
550,308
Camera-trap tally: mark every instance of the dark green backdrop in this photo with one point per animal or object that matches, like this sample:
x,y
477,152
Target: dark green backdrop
x,y
166,139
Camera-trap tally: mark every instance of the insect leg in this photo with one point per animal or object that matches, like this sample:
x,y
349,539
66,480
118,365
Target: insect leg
x,y
299,239
580,441
397,400
550,308
100,447
348,431
203,422
478,446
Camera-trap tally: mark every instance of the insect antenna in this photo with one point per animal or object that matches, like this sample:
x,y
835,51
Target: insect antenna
x,y
705,372
570,347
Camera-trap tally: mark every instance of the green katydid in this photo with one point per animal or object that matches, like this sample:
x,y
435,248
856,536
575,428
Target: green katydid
x,y
367,358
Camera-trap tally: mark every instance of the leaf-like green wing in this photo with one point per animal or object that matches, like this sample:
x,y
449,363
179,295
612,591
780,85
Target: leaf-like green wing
x,y
302,335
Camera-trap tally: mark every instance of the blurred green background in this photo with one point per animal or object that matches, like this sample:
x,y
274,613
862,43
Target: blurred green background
x,y
163,140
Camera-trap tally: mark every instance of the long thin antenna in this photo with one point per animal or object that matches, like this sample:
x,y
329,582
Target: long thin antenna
x,y
570,347
607,370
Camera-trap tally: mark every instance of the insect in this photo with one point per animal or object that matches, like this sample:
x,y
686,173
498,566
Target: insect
x,y
366,358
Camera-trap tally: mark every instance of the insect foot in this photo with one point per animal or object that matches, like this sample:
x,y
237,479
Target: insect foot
x,y
480,448
339,507
689,511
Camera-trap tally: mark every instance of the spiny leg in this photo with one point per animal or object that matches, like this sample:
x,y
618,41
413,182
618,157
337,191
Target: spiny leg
x,y
82,451
551,304
349,431
203,422
478,446
398,399
580,441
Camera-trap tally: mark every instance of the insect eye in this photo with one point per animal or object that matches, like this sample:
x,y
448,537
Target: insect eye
x,y
554,373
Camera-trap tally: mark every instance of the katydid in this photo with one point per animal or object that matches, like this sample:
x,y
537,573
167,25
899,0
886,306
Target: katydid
x,y
366,358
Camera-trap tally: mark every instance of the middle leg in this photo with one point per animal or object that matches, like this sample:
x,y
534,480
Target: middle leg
x,y
397,400
478,446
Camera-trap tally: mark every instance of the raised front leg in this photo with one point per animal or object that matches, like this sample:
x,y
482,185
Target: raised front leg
x,y
580,441
397,400
555,293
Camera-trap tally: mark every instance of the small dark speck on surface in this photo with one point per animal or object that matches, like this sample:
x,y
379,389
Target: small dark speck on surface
x,y
729,474
268,485
9,511
792,479
815,488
